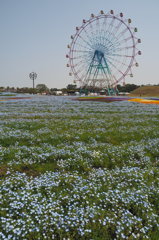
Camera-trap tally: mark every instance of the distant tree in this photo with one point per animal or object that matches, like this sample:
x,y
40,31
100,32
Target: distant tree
x,y
53,89
64,90
26,90
71,86
127,87
41,88
1,89
131,87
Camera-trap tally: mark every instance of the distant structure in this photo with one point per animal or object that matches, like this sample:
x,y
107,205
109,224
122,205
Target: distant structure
x,y
103,51
33,76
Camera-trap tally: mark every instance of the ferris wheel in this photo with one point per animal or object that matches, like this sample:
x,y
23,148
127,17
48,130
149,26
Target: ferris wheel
x,y
103,51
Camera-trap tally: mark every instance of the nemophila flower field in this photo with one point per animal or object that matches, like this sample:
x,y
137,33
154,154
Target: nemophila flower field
x,y
78,170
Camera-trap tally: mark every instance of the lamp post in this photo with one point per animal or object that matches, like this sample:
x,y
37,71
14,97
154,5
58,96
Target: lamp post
x,y
33,76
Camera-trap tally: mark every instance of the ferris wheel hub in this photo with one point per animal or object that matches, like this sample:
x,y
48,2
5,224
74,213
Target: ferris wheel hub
x,y
99,54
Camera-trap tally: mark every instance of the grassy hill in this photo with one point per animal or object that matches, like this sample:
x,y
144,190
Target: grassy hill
x,y
146,91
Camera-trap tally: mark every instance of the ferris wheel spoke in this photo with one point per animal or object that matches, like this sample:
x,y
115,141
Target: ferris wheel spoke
x,y
104,24
77,57
115,67
119,55
101,31
80,54
112,39
124,48
80,70
87,34
111,30
105,74
97,31
102,39
92,32
78,63
118,27
111,46
125,40
82,46
111,25
117,61
97,26
121,34
84,40
82,76
82,64
81,51
126,31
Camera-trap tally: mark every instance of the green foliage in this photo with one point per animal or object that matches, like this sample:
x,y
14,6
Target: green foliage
x,y
41,88
71,87
127,87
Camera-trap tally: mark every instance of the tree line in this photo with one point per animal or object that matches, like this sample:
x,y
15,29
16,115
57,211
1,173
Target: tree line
x,y
70,89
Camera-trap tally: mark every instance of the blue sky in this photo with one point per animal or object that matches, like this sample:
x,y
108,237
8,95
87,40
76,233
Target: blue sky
x,y
35,34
